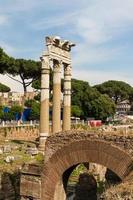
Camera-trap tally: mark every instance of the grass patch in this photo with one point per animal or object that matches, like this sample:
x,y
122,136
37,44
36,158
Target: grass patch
x,y
39,158
20,156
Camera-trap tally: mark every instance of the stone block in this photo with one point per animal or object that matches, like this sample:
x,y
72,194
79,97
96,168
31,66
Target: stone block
x,y
9,159
32,151
1,151
31,182
7,149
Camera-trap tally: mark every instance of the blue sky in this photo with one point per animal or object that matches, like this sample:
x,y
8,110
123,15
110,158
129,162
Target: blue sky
x,y
101,29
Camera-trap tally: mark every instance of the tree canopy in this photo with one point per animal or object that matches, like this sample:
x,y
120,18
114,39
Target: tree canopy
x,y
88,101
5,61
76,111
27,70
35,109
102,107
116,90
4,88
91,102
13,112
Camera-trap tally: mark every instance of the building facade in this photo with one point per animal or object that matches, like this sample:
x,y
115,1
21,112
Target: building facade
x,y
123,107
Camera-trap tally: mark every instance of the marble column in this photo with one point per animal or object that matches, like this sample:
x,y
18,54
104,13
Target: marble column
x,y
44,110
67,98
56,113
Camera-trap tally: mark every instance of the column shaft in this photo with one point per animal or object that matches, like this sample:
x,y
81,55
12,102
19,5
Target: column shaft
x,y
67,99
56,113
44,110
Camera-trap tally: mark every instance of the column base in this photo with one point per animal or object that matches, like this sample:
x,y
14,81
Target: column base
x,y
41,147
42,142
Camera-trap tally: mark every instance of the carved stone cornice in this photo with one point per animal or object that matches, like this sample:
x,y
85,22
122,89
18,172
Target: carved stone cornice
x,y
56,41
59,49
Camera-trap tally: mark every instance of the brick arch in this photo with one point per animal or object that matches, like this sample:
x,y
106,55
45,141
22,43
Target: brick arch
x,y
96,151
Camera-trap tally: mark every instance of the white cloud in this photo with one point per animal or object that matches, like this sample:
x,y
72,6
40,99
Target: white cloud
x,y
95,23
103,20
85,55
12,51
20,5
54,22
99,76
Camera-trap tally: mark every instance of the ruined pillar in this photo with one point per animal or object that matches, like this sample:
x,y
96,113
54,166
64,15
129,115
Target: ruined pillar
x,y
56,113
67,98
44,110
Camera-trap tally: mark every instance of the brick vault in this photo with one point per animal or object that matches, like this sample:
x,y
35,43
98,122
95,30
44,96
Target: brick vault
x,y
67,149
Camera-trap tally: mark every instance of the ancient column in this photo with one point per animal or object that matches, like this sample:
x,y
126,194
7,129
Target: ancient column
x,y
56,113
44,110
67,98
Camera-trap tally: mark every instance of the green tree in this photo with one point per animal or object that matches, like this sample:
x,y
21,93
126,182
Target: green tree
x,y
7,116
117,90
28,103
35,111
76,111
4,88
1,112
15,110
91,102
78,90
38,97
102,107
5,61
81,95
36,84
27,70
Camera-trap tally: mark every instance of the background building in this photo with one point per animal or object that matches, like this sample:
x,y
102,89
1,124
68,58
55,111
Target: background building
x,y
123,107
13,98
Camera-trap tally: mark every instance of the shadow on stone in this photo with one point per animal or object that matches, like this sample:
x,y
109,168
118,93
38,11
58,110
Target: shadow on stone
x,y
9,186
86,188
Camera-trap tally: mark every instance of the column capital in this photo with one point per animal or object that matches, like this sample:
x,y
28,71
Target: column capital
x,y
57,61
56,66
45,62
67,70
44,55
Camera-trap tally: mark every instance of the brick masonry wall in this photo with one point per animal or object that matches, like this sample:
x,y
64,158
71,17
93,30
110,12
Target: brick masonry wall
x,y
66,149
59,140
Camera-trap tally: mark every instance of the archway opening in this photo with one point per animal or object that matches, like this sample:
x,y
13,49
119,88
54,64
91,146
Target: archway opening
x,y
75,153
87,181
111,178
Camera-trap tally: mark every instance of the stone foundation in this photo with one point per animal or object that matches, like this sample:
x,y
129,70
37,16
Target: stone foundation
x,y
26,133
9,186
30,187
